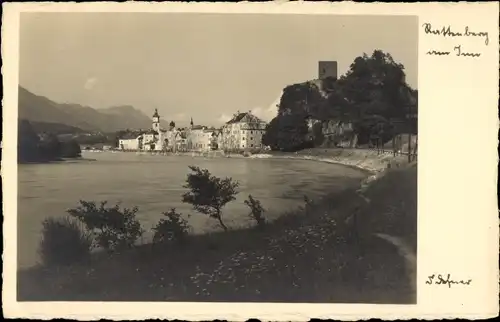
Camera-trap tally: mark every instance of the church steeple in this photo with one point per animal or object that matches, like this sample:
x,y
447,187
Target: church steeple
x,y
192,124
156,121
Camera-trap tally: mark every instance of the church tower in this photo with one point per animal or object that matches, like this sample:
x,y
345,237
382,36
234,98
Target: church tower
x,y
156,121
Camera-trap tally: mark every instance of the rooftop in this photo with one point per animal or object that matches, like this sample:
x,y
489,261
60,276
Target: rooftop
x,y
238,117
129,136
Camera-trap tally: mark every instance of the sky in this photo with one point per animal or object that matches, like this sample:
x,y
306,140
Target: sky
x,y
204,66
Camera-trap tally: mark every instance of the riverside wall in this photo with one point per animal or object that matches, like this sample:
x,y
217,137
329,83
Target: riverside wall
x,y
368,160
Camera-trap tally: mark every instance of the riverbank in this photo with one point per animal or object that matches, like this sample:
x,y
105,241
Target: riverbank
x,y
58,160
327,252
367,160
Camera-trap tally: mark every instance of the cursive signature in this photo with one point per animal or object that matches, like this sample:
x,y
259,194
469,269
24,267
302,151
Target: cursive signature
x,y
445,280
448,32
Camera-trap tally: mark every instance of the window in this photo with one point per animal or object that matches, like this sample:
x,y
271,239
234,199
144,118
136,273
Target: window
x,y
243,139
251,132
251,145
251,138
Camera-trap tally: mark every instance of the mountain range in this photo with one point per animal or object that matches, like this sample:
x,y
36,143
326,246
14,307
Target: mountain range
x,y
46,113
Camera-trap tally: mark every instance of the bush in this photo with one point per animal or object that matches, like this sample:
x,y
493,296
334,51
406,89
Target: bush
x,y
209,194
172,229
256,211
112,228
63,242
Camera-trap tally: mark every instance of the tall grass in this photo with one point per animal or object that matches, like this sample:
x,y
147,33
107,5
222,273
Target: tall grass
x,y
63,242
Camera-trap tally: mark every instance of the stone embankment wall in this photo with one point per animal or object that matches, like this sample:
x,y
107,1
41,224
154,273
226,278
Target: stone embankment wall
x,y
368,160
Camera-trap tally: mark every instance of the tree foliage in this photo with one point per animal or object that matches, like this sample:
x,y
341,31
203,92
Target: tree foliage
x,y
301,99
287,133
28,147
209,194
71,149
112,228
51,147
46,147
373,130
375,85
173,228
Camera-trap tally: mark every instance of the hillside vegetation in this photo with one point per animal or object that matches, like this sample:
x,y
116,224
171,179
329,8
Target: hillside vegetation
x,y
373,96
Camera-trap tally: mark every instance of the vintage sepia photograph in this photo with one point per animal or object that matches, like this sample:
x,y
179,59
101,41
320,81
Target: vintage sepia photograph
x,y
210,157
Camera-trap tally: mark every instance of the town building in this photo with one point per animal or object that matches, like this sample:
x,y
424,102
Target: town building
x,y
154,139
129,142
243,132
200,138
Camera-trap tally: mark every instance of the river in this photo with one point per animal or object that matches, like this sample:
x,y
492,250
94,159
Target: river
x,y
154,183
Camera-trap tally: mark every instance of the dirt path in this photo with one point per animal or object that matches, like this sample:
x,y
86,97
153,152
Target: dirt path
x,y
407,253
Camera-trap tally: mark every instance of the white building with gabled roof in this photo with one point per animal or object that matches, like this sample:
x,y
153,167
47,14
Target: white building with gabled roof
x,y
243,132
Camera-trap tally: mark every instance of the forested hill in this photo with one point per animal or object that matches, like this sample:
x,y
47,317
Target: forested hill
x,y
45,114
373,96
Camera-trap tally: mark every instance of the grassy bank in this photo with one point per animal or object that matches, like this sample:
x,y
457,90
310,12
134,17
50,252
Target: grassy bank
x,y
324,253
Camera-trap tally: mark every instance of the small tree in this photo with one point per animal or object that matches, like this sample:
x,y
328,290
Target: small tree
x,y
173,228
209,194
256,211
111,227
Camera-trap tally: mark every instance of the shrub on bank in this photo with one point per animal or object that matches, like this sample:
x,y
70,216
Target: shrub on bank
x,y
173,228
256,211
63,242
209,194
111,227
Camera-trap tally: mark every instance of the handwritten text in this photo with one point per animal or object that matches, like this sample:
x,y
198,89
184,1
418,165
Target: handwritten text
x,y
445,280
448,31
